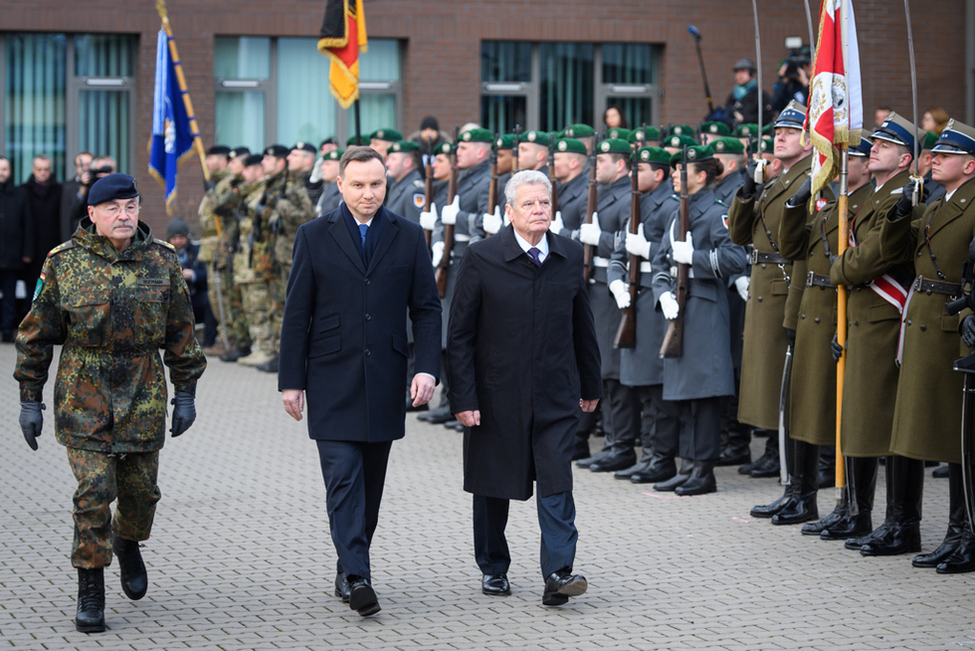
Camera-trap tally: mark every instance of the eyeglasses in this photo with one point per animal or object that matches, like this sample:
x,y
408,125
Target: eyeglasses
x,y
113,209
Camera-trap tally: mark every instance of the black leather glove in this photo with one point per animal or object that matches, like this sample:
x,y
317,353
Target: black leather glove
x,y
184,412
836,348
967,333
802,195
791,334
749,187
32,421
905,205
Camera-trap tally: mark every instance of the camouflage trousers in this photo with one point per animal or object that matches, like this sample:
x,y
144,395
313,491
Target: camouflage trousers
x,y
235,329
101,479
257,308
279,290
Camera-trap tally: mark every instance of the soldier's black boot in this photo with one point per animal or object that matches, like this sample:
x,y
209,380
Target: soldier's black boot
x,y
236,354
660,469
957,518
904,534
861,483
701,480
827,468
766,465
840,511
90,617
640,466
857,542
802,507
769,510
686,468
132,569
963,558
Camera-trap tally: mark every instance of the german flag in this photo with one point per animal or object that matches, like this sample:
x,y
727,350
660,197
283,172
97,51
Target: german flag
x,y
342,38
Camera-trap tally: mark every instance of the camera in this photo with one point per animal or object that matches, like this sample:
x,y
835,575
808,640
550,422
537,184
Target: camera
x,y
798,56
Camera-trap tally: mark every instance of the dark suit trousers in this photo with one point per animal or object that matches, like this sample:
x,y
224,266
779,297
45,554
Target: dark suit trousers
x,y
660,433
700,428
556,518
622,415
354,477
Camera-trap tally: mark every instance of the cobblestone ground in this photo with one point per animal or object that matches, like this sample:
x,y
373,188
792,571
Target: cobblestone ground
x,y
240,556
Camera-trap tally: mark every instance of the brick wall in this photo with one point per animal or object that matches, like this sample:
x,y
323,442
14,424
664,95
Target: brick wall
x,y
442,54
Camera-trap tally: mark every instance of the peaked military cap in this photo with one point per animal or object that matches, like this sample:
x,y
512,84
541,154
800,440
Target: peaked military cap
x,y
305,146
792,116
716,128
653,155
389,135
507,141
239,152
749,130
578,131
682,130
862,149
477,135
112,187
618,133
957,138
679,141
896,129
695,154
570,145
278,151
218,150
644,133
727,145
404,146
536,138
614,146
253,159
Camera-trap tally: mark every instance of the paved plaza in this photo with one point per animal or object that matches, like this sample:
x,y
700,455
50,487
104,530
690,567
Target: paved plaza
x,y
240,557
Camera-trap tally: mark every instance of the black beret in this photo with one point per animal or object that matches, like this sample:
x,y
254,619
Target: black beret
x,y
111,187
239,152
305,146
278,151
218,150
253,159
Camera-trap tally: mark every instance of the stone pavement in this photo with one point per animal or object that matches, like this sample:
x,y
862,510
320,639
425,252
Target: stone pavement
x,y
240,557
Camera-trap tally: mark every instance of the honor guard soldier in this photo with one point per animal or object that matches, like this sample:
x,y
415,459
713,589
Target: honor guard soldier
x,y
927,410
572,172
641,367
331,197
406,197
113,296
381,139
504,146
932,189
645,136
731,153
583,133
533,151
217,162
674,144
711,131
619,133
621,410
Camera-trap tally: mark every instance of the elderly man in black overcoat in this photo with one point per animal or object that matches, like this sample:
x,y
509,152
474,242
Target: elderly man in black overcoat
x,y
357,272
524,363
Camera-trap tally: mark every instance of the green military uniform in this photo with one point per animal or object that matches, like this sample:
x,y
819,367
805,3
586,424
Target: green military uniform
x,y
250,274
212,236
227,210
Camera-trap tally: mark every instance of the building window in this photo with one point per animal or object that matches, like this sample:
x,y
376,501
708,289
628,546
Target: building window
x,y
551,85
276,90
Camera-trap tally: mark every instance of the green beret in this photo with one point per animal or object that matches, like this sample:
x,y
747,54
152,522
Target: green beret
x,y
716,128
618,133
768,129
644,133
404,146
506,141
389,135
350,142
695,154
570,145
476,135
747,130
578,131
682,130
614,146
335,154
678,141
929,140
653,155
727,145
767,146
536,138
445,148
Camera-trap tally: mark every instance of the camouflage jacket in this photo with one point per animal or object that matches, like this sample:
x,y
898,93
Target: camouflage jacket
x,y
112,311
246,205
290,208
210,240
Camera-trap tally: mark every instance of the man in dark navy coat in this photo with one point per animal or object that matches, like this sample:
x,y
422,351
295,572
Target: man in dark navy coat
x,y
357,273
523,360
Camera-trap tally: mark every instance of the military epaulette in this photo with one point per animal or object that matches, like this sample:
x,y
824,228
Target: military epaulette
x,y
165,243
61,248
418,183
721,203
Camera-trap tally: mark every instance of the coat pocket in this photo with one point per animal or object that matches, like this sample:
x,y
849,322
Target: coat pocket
x,y
400,345
780,288
91,318
330,323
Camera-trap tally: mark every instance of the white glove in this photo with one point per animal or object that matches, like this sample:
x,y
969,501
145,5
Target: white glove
x,y
760,171
428,219
449,214
669,306
684,251
618,288
636,244
589,233
493,223
316,172
557,226
741,284
437,253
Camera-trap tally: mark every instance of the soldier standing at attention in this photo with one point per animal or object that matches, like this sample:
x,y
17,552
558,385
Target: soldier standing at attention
x,y
217,162
112,296
407,195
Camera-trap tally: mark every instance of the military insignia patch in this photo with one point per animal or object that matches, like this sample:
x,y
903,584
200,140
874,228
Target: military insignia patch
x,y
418,200
466,137
820,204
644,155
569,132
38,287
563,146
719,146
691,154
724,220
639,135
604,146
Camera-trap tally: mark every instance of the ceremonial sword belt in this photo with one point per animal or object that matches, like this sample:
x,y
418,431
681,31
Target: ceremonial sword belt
x,y
922,284
759,257
814,279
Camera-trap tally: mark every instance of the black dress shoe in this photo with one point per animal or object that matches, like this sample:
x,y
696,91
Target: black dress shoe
x,y
901,538
766,466
686,468
850,526
618,461
438,416
840,511
270,366
341,587
642,465
90,617
132,569
362,598
801,508
235,354
701,480
732,457
561,585
599,456
495,585
963,558
769,510
857,542
660,469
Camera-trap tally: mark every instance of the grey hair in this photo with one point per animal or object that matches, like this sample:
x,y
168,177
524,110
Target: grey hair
x,y
525,177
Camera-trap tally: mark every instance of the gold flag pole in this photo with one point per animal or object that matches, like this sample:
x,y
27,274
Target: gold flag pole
x,y
194,127
841,326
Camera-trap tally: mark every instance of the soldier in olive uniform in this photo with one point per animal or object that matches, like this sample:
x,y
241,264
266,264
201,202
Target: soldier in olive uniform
x,y
406,196
217,162
621,410
641,366
113,297
927,408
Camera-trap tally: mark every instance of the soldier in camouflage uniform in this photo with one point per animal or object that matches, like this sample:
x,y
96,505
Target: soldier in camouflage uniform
x,y
112,296
217,162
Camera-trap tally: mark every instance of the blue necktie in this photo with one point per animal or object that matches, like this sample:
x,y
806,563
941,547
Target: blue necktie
x,y
533,252
362,233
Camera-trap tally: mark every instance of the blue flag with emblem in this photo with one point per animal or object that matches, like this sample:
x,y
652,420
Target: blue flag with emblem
x,y
172,137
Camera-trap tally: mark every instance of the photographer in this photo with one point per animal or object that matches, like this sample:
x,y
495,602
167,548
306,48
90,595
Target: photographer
x,y
793,83
101,166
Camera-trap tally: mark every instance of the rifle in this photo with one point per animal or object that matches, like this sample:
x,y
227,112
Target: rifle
x,y
493,185
551,174
626,334
428,193
588,251
448,229
514,163
673,346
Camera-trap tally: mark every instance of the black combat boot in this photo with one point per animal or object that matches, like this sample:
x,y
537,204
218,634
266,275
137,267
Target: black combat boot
x,y
957,518
904,534
769,510
640,466
963,558
132,569
805,481
91,600
861,484
701,480
686,468
766,465
236,354
659,469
